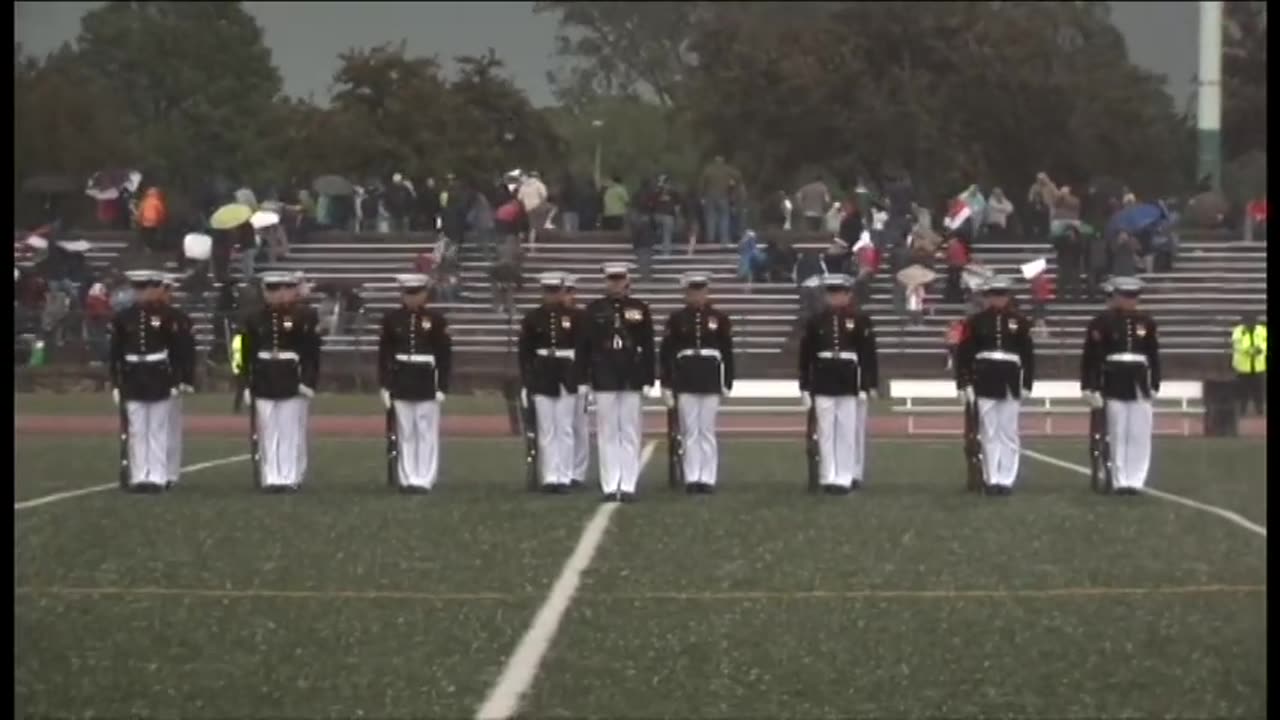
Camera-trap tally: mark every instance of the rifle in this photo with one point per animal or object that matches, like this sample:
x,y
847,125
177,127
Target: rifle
x,y
254,455
124,445
974,462
393,446
530,417
675,446
1100,478
812,449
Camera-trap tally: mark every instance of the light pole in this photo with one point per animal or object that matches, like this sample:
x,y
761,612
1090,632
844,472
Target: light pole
x,y
596,125
1209,95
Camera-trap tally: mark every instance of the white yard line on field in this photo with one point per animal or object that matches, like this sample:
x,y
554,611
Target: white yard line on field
x,y
55,497
522,667
1213,509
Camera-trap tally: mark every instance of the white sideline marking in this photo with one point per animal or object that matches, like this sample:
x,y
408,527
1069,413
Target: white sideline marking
x,y
55,497
521,668
1214,509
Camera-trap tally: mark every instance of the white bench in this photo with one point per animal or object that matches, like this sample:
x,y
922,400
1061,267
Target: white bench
x,y
1048,397
744,391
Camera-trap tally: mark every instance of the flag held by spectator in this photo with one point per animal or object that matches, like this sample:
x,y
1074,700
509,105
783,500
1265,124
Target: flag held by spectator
x,y
1034,268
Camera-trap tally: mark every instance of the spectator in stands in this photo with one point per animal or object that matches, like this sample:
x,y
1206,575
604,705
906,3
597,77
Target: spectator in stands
x,y
399,201
952,340
532,194
717,187
776,213
813,200
1041,197
151,217
507,275
1124,256
867,257
616,201
509,220
570,204
1097,261
1041,296
958,257
780,258
97,314
999,209
851,223
426,214
751,258
481,221
1255,223
456,201
737,208
664,204
1070,248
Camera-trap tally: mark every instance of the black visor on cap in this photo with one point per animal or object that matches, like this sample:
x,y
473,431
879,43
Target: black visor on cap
x,y
146,283
616,276
278,286
697,285
412,289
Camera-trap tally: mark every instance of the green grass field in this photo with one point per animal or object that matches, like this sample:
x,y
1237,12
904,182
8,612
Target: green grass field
x,y
910,599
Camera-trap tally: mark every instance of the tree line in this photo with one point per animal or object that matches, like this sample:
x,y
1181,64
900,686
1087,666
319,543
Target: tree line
x,y
950,92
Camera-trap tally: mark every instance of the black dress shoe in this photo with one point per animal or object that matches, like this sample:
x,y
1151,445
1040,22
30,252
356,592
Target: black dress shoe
x,y
146,488
290,489
610,497
560,489
627,497
548,489
575,484
169,485
692,488
414,490
706,488
857,485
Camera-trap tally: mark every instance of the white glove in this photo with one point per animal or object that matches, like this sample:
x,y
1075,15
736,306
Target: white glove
x,y
385,394
306,392
647,389
967,394
439,397
872,394
806,399
173,391
186,389
1094,399
115,396
584,390
668,398
524,398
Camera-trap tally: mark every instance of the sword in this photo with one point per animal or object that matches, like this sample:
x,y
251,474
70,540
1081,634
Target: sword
x,y
1100,478
675,446
974,464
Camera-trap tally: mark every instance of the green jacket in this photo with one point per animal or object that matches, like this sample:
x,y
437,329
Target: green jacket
x,y
616,200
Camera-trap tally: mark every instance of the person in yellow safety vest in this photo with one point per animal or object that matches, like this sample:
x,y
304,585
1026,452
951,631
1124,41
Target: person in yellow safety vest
x,y
237,369
1249,360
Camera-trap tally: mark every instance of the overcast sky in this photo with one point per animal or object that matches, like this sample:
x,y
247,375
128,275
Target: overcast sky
x,y
306,37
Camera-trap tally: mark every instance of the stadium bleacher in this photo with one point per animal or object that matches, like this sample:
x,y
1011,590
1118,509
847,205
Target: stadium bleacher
x,y
1215,279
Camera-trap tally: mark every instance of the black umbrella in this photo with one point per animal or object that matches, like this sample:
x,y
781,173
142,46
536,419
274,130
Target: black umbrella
x,y
50,184
333,185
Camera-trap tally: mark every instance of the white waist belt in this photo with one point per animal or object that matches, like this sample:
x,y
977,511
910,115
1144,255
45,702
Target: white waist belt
x,y
1127,357
150,357
555,353
416,358
999,355
841,355
278,355
699,352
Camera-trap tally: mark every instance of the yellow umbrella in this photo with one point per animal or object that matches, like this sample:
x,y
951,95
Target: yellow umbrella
x,y
229,216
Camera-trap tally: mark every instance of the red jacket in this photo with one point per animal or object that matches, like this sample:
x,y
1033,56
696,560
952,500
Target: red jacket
x,y
868,259
957,253
1258,210
1041,288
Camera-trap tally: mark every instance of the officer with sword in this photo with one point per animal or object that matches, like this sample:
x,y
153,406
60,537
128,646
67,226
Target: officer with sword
x,y
415,361
696,370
